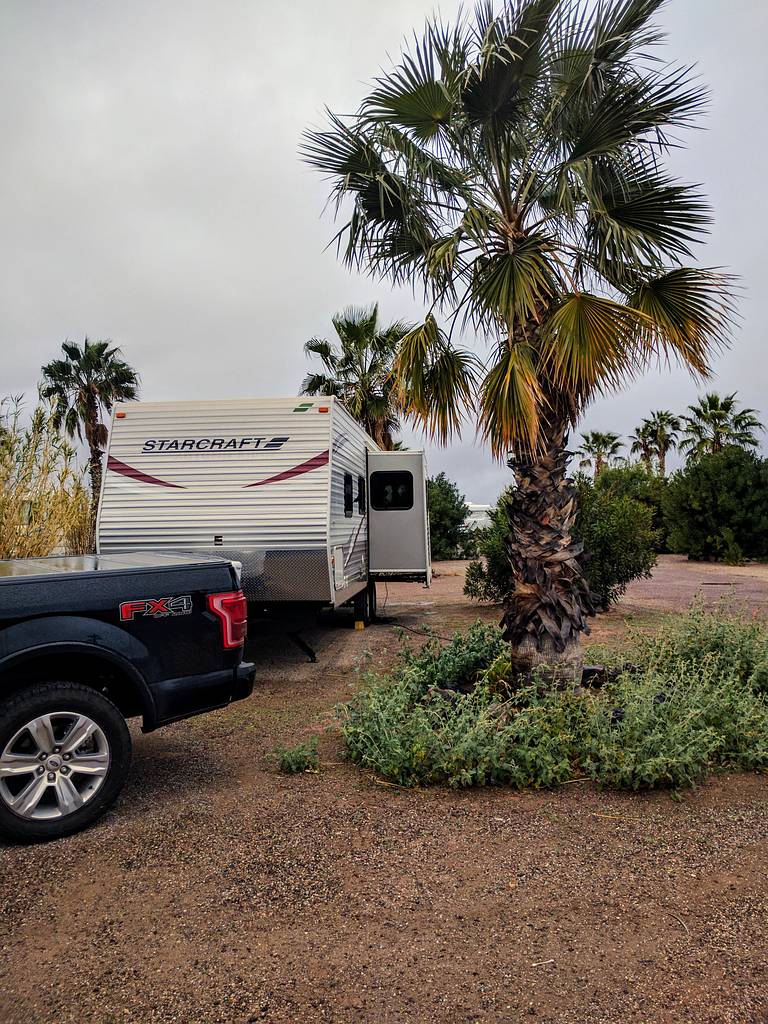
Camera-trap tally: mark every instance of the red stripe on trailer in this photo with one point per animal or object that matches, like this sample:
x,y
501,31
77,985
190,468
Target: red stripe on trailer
x,y
305,467
135,474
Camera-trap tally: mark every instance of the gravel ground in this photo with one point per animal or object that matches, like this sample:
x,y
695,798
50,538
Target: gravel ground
x,y
221,891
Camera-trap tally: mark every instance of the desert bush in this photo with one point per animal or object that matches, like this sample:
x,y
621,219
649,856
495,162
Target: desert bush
x,y
619,541
616,531
717,507
448,513
662,723
44,505
735,646
636,481
302,757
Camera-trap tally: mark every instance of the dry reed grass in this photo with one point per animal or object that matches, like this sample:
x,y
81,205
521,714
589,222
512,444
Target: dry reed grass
x,y
44,503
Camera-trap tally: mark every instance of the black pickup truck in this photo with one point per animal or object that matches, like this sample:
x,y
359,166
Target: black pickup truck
x,y
88,641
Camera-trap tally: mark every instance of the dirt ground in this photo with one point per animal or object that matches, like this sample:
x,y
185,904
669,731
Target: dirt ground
x,y
218,890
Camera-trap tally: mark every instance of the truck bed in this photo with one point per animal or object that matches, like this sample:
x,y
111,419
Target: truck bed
x,y
130,561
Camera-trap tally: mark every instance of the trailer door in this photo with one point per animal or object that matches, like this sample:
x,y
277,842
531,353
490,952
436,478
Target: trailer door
x,y
398,527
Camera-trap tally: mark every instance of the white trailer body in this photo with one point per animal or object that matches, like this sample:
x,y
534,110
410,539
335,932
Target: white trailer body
x,y
280,485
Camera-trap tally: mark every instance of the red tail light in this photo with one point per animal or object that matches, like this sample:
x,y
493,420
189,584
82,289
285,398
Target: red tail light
x,y
232,610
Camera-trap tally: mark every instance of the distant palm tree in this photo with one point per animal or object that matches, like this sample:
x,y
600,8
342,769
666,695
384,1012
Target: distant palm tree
x,y
655,437
642,444
358,370
599,449
664,428
83,385
716,422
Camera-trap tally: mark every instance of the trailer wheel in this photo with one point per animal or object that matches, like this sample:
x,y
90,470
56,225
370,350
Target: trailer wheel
x,y
372,601
65,751
364,604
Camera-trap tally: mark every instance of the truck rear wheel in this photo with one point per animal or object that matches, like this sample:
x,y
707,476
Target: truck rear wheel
x,y
65,751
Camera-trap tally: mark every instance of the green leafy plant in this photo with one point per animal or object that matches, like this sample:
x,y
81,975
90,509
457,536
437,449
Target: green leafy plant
x,y
619,541
637,482
302,757
447,517
717,507
735,646
664,722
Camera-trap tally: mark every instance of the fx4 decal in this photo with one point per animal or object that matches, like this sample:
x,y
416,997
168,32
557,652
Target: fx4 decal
x,y
156,607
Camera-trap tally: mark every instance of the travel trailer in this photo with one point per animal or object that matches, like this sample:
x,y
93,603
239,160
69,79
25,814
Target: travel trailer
x,y
293,488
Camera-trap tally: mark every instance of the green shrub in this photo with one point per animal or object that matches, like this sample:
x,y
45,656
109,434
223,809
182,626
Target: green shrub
x,y
301,758
619,541
488,578
618,537
637,482
717,507
733,646
676,714
447,518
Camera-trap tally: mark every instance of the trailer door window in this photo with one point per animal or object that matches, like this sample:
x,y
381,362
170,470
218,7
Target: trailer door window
x,y
349,497
391,491
361,495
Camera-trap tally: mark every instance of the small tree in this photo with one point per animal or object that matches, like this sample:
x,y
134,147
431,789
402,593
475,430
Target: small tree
x,y
447,517
619,541
642,485
717,507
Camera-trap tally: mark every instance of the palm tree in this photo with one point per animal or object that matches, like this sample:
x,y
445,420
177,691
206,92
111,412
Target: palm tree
x,y
359,370
643,444
84,385
663,428
716,422
513,167
599,449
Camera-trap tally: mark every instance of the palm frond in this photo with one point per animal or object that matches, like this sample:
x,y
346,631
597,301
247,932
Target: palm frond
x,y
592,343
510,401
691,314
434,380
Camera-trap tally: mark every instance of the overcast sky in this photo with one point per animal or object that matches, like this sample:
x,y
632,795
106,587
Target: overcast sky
x,y
150,190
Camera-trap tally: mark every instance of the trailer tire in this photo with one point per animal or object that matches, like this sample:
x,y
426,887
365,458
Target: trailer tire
x,y
372,601
77,782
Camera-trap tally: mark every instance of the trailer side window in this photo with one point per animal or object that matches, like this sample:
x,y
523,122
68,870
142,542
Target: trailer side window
x,y
361,495
348,495
392,491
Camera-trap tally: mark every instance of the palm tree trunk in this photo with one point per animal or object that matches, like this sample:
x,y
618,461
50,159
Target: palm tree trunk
x,y
550,600
95,466
662,455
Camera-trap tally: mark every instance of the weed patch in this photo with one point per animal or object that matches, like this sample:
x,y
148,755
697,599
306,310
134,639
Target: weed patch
x,y
693,700
302,757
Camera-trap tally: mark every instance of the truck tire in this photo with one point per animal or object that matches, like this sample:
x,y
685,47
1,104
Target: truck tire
x,y
65,751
